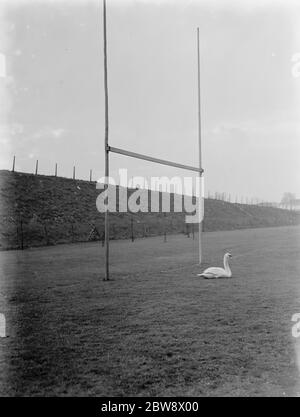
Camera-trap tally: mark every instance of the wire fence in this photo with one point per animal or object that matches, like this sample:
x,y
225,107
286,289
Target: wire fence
x,y
221,196
55,169
18,233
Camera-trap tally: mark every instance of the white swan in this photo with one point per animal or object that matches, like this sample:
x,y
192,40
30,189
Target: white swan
x,y
218,272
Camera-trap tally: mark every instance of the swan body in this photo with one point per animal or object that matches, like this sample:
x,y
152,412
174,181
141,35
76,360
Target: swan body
x,y
216,272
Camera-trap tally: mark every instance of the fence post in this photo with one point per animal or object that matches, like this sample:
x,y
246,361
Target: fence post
x,y
165,228
36,166
46,234
22,237
112,231
14,161
72,232
187,230
73,172
91,173
55,170
132,235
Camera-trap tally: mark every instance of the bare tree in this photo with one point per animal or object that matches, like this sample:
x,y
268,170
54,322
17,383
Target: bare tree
x,y
287,200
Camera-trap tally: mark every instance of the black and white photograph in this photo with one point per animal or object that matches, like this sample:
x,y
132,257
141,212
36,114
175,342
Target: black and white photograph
x,y
149,201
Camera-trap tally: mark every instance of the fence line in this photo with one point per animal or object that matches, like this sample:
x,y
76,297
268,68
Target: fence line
x,y
21,233
222,196
55,169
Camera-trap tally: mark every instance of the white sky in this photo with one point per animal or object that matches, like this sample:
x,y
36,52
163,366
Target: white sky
x,y
52,98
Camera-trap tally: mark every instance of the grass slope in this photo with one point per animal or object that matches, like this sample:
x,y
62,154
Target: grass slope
x,y
48,210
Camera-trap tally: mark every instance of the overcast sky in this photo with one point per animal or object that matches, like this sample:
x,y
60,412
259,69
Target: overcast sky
x,y
52,97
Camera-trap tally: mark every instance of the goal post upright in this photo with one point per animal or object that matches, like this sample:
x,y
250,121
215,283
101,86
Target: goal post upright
x,y
106,147
200,150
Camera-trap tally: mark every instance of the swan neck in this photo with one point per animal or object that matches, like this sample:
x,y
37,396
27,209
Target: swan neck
x,y
226,264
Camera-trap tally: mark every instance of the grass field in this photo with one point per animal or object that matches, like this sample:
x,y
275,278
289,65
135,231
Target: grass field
x,y
156,328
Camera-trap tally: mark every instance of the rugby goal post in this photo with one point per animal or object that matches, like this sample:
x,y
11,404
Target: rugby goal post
x,y
108,148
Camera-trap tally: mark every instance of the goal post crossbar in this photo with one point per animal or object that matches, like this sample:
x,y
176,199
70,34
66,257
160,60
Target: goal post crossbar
x,y
155,160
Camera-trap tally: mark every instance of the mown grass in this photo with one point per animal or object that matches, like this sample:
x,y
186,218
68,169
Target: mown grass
x,y
155,328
